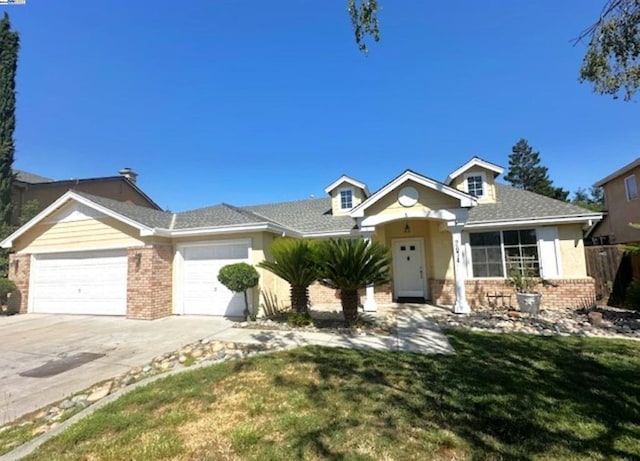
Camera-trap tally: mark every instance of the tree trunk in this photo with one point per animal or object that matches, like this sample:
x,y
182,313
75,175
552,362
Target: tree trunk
x,y
299,299
246,306
349,299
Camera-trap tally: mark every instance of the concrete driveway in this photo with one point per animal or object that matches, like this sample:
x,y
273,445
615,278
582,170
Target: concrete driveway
x,y
109,346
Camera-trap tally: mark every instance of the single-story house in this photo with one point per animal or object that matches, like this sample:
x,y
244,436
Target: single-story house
x,y
452,243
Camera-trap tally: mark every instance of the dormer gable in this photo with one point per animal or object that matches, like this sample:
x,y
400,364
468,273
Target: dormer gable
x,y
476,177
346,193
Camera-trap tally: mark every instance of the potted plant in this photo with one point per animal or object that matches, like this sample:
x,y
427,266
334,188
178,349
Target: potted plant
x,y
525,283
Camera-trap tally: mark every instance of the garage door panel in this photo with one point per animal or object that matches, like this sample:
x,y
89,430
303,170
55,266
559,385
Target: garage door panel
x,y
203,294
80,283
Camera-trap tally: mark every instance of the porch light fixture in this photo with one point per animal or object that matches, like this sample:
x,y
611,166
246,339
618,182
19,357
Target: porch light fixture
x,y
407,228
137,258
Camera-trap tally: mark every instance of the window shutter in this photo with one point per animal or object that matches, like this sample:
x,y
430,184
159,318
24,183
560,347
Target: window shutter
x,y
548,247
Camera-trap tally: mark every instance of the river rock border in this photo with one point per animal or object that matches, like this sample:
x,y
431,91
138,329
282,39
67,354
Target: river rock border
x,y
609,322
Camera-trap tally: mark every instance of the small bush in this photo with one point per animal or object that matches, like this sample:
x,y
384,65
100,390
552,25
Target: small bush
x,y
632,296
299,319
6,287
239,278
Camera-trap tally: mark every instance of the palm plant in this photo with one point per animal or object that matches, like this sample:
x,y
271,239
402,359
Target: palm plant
x,y
294,261
350,265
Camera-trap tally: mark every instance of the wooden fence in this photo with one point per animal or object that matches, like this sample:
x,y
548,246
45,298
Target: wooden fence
x,y
612,270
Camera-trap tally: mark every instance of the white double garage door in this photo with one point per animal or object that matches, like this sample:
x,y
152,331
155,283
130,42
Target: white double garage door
x,y
95,282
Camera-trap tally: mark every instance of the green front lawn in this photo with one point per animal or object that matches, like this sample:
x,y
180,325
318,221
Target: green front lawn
x,y
501,397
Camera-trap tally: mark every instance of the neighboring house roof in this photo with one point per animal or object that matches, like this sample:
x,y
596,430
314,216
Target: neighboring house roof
x,y
40,182
619,172
514,204
31,178
474,162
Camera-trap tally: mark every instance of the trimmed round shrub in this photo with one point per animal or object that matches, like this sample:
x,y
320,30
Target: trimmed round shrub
x,y
239,278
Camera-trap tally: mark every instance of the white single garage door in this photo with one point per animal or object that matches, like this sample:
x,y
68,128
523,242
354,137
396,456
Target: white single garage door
x,y
88,282
202,294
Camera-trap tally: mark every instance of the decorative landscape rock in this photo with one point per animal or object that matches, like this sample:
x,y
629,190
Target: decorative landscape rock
x,y
600,322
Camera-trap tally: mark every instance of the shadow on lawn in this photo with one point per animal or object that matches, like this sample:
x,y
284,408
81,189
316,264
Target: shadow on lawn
x,y
506,396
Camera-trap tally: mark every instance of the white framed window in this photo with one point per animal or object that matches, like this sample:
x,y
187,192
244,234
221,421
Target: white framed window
x,y
498,253
475,184
346,199
631,186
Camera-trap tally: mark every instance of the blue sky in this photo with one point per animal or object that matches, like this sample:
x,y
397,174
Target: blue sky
x,y
253,102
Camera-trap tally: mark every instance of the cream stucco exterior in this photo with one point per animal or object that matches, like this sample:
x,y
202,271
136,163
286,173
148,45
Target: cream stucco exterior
x,y
358,197
572,254
489,196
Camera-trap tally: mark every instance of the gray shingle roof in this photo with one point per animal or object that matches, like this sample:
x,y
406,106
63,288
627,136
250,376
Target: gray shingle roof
x,y
314,215
31,178
143,215
217,215
307,216
515,204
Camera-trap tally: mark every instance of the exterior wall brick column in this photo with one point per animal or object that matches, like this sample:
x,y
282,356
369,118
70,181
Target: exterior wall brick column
x,y
149,282
19,272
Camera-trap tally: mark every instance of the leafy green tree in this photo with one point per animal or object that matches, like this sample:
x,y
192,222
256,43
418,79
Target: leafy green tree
x,y
239,278
350,265
9,44
591,200
612,60
526,172
364,18
294,261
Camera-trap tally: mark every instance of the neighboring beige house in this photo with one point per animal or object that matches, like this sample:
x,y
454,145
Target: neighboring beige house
x,y
29,187
622,206
451,242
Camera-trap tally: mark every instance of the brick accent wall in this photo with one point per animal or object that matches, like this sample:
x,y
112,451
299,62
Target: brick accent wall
x,y
442,292
149,282
19,272
319,294
555,293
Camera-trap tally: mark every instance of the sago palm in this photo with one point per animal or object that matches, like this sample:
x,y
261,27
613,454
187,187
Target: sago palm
x,y
350,265
294,261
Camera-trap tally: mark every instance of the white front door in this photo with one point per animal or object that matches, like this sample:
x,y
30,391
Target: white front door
x,y
202,293
409,273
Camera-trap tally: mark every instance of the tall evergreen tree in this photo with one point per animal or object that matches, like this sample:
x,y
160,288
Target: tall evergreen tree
x,y
526,172
9,44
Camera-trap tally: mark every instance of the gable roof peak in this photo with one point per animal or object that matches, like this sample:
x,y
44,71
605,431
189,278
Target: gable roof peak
x,y
474,162
344,178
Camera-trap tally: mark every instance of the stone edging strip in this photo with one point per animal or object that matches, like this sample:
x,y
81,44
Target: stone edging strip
x,y
30,446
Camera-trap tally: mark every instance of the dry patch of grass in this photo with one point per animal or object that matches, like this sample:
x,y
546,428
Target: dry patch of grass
x,y
500,397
